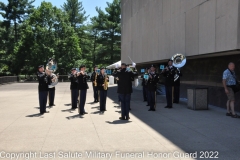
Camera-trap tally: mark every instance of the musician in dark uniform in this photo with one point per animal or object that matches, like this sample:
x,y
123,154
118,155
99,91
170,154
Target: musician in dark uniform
x,y
102,78
176,90
74,88
124,90
169,73
82,87
51,90
94,84
42,89
152,87
144,85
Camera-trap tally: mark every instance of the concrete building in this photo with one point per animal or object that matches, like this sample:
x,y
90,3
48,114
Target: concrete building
x,y
207,32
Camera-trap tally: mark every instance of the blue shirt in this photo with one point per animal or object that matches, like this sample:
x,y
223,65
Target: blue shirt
x,y
229,77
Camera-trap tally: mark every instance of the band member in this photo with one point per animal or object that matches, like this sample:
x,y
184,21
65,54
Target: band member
x,y
51,89
74,88
152,87
144,85
82,87
42,89
169,73
102,81
229,84
94,84
176,90
124,90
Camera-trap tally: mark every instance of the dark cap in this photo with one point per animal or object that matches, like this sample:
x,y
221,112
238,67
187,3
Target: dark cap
x,y
102,68
73,69
50,59
82,66
147,68
170,60
124,64
40,66
95,66
153,66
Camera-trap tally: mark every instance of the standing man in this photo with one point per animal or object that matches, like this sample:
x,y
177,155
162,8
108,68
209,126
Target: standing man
x,y
169,72
82,87
42,89
124,90
144,85
94,84
152,87
51,89
102,80
176,90
74,88
229,84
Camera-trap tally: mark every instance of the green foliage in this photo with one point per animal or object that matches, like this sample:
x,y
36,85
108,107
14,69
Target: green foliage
x,y
29,36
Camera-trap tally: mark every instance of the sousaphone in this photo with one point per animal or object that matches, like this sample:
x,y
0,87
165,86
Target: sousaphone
x,y
179,60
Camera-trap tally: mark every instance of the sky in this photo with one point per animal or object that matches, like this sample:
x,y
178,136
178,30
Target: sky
x,y
89,5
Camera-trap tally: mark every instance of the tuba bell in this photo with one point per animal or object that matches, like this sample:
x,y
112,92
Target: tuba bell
x,y
179,60
51,67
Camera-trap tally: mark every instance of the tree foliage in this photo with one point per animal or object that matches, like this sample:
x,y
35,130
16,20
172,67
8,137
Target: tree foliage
x,y
37,34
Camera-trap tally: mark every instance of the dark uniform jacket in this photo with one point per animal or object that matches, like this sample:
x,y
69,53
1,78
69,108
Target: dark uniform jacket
x,y
125,81
169,81
43,81
152,82
93,76
50,81
82,82
74,82
100,81
144,81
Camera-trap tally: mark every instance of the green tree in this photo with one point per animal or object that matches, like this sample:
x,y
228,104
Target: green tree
x,y
15,11
109,30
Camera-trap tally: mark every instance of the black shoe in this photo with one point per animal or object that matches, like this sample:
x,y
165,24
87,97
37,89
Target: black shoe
x,y
147,105
153,110
169,107
150,109
41,112
46,112
85,113
144,100
166,107
81,114
229,114
127,118
121,118
105,110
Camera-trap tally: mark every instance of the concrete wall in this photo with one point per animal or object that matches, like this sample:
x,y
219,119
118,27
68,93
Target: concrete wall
x,y
154,30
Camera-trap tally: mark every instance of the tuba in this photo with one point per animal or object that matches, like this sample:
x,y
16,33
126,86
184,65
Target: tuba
x,y
179,60
51,67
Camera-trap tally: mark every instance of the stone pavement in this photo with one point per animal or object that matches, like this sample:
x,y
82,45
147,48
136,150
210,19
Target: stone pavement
x,y
63,134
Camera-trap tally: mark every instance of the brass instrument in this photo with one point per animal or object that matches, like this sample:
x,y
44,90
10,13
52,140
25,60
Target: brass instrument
x,y
95,81
179,60
105,87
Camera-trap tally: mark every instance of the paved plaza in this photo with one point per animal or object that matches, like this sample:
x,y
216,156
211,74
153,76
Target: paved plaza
x,y
176,133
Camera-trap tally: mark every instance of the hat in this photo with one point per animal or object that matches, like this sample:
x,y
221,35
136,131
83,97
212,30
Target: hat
x,y
82,66
102,68
153,66
40,66
170,60
124,64
50,59
95,66
73,69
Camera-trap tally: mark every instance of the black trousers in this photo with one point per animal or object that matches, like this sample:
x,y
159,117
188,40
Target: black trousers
x,y
42,95
125,103
176,93
152,99
82,100
103,98
145,93
74,98
168,90
95,93
51,96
